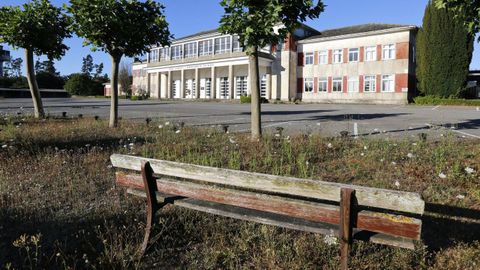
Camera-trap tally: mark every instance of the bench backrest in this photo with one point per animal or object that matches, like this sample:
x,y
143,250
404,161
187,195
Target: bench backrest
x,y
383,211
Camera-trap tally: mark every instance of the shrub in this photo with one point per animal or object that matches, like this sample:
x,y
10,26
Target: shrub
x,y
432,100
47,80
83,85
245,99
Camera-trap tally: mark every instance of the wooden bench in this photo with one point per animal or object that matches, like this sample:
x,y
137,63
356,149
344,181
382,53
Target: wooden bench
x,y
350,212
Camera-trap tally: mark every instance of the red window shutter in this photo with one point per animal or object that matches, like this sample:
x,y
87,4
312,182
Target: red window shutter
x,y
300,85
300,59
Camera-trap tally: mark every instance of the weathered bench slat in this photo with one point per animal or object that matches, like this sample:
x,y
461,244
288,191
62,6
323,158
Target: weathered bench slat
x,y
275,219
318,212
371,197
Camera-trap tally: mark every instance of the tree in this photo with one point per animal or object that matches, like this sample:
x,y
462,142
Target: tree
x,y
120,27
444,52
47,66
468,11
98,70
83,85
87,65
39,28
14,68
125,80
255,22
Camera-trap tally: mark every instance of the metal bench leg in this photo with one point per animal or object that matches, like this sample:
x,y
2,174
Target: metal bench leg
x,y
346,224
153,206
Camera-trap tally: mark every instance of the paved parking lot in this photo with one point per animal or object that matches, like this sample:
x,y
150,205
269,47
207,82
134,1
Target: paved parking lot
x,y
327,119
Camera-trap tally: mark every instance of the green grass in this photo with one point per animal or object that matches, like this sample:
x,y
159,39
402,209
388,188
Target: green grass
x,y
59,207
430,100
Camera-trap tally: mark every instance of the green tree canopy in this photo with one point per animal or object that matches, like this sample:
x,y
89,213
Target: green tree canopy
x,y
120,27
467,10
444,52
259,23
39,28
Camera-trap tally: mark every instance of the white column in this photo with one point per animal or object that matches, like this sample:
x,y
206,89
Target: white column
x,y
164,85
169,85
159,85
230,82
213,84
197,84
182,83
269,84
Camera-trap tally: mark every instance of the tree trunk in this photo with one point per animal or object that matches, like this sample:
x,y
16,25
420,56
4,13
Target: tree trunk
x,y
32,83
255,92
114,93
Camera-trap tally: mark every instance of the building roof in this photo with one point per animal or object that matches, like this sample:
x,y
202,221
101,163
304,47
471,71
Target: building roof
x,y
212,31
356,29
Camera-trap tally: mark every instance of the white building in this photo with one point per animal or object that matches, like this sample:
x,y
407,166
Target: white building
x,y
373,63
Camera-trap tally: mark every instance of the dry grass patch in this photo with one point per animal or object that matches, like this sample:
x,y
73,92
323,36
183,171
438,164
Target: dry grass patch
x,y
59,207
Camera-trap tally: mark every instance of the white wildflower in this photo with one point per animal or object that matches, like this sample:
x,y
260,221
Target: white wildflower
x,y
410,155
330,240
87,145
277,135
365,148
178,131
4,146
460,196
131,144
318,124
160,126
167,123
442,175
329,145
394,163
397,184
232,141
362,154
414,144
382,160
469,170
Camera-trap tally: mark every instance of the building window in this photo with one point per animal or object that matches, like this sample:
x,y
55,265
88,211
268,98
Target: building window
x,y
224,91
337,56
353,55
263,86
308,85
177,52
337,84
236,44
190,50
205,47
370,83
241,89
309,58
388,52
323,57
388,84
222,45
164,54
322,85
371,53
153,56
353,84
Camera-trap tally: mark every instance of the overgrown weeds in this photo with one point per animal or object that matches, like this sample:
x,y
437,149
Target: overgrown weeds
x,y
59,207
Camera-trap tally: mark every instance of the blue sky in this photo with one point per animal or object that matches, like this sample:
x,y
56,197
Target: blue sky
x,y
190,16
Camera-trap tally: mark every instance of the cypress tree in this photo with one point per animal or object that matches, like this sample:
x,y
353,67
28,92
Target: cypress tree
x,y
444,52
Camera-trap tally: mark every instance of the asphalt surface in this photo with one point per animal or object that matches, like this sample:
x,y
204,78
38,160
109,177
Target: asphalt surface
x,y
327,119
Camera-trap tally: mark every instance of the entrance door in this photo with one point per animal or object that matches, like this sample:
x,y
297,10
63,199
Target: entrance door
x,y
241,87
224,88
176,89
190,88
205,87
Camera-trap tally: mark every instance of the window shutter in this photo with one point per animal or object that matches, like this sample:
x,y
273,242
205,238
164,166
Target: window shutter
x,y
300,59
300,85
